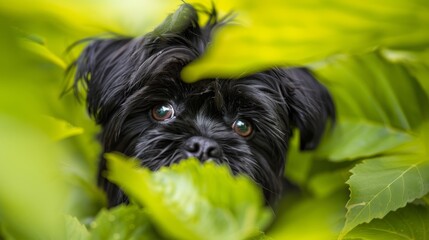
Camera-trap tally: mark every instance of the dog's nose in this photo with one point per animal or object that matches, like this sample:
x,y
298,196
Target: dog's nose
x,y
202,148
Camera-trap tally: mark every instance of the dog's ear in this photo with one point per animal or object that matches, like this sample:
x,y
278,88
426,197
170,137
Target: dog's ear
x,y
100,68
311,106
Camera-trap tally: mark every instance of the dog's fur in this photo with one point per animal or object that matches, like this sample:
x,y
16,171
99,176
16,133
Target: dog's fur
x,y
127,77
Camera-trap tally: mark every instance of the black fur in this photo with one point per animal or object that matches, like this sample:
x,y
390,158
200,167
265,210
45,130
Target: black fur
x,y
127,77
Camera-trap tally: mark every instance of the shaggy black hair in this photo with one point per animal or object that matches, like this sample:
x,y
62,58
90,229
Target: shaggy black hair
x,y
128,80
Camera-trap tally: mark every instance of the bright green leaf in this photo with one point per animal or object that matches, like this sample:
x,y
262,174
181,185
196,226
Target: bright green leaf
x,y
411,222
325,183
32,188
385,184
426,199
306,218
352,140
192,200
75,230
59,129
122,223
130,17
416,62
369,87
44,52
298,32
87,192
298,163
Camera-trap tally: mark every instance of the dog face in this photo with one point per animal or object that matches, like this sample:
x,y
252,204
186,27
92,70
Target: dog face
x,y
134,91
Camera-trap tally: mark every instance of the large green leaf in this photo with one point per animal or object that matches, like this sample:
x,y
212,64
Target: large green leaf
x,y
369,87
296,32
74,230
298,164
122,223
382,117
349,140
59,129
32,189
192,200
352,140
416,62
60,23
387,96
328,182
385,184
307,218
411,222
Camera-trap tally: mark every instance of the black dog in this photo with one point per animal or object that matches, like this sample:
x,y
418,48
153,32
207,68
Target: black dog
x,y
134,91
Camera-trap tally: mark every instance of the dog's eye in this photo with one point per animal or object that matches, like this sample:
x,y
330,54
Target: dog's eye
x,y
242,127
163,112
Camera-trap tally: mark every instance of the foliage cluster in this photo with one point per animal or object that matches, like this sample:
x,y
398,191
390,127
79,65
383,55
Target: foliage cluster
x,y
369,179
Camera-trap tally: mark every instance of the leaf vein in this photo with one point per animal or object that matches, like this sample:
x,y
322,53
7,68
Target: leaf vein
x,y
401,176
392,232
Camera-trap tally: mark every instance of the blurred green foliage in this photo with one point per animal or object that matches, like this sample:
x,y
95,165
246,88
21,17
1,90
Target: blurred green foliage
x,y
301,32
369,179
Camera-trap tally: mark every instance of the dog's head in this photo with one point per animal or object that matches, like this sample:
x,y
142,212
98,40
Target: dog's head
x,y
134,91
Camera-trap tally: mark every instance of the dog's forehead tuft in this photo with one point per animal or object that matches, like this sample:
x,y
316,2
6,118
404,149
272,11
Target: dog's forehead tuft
x,y
237,95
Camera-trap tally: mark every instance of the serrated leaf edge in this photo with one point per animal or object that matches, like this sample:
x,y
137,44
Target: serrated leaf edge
x,y
349,207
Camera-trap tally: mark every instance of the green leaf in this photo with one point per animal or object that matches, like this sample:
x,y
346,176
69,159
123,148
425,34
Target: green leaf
x,y
298,163
87,192
411,222
349,140
41,50
326,183
75,230
190,200
59,129
122,223
177,21
391,108
306,218
352,140
416,62
369,87
385,184
300,32
32,187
